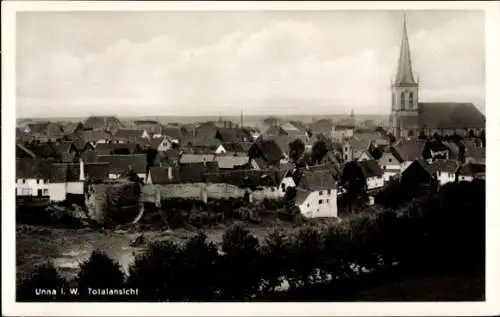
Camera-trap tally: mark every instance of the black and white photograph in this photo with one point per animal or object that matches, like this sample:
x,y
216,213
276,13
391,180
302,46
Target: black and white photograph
x,y
259,156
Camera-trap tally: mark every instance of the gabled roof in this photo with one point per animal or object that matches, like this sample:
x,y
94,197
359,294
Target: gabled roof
x,y
120,164
282,141
31,168
274,131
174,132
21,149
408,150
299,125
159,175
44,150
237,147
322,126
59,173
317,179
270,151
288,126
64,146
195,172
370,168
301,195
233,134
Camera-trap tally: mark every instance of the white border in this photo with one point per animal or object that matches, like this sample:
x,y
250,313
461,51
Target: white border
x,y
9,307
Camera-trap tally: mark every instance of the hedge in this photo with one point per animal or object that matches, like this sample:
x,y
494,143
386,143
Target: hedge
x,y
444,230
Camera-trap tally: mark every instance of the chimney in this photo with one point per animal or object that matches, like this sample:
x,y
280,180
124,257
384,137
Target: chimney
x,y
82,173
169,171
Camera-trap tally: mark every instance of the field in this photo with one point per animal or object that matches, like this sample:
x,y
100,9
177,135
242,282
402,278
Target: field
x,y
66,248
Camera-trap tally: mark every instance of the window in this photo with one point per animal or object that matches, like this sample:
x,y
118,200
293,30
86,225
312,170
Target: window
x,y
320,201
283,187
24,181
320,192
329,192
403,101
38,181
411,100
45,192
345,157
390,160
308,205
328,201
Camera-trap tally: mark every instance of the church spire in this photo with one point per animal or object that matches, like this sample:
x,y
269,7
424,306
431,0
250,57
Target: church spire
x,y
405,74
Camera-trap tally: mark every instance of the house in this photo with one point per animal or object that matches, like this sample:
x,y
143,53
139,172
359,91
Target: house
x,y
470,171
407,151
372,173
168,158
317,194
57,182
121,164
32,177
200,145
441,171
342,131
231,162
274,131
390,164
174,132
365,156
194,172
286,178
266,182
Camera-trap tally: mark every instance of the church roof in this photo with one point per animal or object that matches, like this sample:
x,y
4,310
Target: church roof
x,y
443,115
404,75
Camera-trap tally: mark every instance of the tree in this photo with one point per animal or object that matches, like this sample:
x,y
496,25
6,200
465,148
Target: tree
x,y
319,150
297,148
289,198
354,182
100,272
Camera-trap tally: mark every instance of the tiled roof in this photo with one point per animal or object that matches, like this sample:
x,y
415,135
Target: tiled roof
x,y
97,171
408,150
370,168
270,151
59,173
316,179
196,158
30,168
159,175
476,153
173,132
301,195
88,156
275,131
233,135
473,169
68,157
299,125
442,115
120,164
230,162
289,127
195,172
64,147
22,151
322,126
44,150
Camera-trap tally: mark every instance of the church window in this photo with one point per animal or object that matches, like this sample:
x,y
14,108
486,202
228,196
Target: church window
x,y
403,101
411,100
410,133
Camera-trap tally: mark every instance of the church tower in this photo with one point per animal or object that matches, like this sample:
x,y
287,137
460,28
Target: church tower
x,y
404,112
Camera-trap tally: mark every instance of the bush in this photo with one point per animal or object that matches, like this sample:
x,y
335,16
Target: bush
x,y
276,260
45,285
158,273
239,269
100,272
306,256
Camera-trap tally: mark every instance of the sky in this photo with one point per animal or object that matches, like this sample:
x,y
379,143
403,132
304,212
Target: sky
x,y
222,63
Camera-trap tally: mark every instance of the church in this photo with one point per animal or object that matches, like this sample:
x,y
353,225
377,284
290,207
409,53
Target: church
x,y
411,118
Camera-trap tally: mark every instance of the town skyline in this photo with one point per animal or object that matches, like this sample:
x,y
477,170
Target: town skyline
x,y
261,63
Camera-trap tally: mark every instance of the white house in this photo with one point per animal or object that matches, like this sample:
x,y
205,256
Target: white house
x,y
317,194
341,132
444,171
32,177
373,174
390,165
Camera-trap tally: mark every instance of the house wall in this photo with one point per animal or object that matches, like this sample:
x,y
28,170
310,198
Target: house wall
x,y
220,150
445,177
214,191
30,187
388,162
388,174
74,188
285,183
57,191
374,182
312,208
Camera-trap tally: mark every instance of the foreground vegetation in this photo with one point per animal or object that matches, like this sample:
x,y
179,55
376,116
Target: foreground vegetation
x,y
436,232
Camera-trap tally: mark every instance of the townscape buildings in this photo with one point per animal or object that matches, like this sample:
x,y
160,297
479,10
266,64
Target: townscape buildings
x,y
425,142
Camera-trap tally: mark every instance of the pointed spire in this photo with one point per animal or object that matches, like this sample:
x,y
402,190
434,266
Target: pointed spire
x,y
405,74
